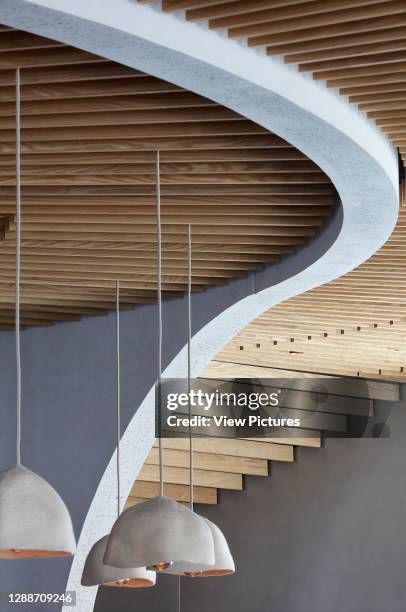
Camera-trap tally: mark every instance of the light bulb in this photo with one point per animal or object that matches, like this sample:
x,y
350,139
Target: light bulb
x,y
160,567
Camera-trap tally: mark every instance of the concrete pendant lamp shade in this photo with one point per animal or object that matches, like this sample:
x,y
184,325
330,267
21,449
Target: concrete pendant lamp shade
x,y
34,521
95,572
162,535
224,563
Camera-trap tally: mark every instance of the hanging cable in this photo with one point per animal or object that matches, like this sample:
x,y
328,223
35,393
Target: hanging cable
x,y
189,362
159,299
118,393
18,270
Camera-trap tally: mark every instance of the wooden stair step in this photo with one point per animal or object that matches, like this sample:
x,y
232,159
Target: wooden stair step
x,y
208,461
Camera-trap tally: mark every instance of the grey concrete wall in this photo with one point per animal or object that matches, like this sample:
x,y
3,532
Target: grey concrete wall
x,y
325,534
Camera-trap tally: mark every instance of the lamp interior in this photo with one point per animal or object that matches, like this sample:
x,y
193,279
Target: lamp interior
x,y
216,572
131,583
160,567
17,553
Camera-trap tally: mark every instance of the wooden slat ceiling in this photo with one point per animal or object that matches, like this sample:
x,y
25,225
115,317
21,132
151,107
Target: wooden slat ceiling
x,y
90,132
355,325
356,46
222,464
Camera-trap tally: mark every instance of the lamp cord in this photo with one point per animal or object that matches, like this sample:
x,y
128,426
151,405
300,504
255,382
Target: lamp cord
x,y
159,299
189,362
118,393
18,270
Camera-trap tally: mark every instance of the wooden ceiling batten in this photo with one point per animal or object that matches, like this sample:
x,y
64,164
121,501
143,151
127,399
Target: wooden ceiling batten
x,y
357,46
176,5
320,331
336,8
347,18
327,47
90,132
326,32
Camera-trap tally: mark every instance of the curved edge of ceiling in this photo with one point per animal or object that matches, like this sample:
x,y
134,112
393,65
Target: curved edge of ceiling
x,y
358,159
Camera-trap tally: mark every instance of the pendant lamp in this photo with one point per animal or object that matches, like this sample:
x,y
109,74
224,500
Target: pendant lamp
x,y
95,571
34,521
160,533
223,561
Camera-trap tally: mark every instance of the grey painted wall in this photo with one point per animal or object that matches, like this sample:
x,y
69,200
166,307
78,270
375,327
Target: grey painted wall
x,y
325,534
69,395
68,405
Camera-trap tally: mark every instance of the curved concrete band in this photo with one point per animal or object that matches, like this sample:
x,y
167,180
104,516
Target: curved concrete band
x,y
354,154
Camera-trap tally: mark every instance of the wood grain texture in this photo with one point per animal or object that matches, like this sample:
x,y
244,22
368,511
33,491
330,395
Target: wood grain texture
x,y
90,132
218,462
148,489
355,45
205,478
330,335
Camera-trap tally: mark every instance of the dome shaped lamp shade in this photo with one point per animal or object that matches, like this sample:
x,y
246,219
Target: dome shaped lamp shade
x,y
224,563
95,572
162,535
34,520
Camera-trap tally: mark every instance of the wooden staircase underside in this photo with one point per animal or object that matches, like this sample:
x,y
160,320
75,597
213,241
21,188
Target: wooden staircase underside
x,y
224,463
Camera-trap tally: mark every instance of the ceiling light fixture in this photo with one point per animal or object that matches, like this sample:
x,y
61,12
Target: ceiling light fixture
x,y
160,533
223,563
95,572
34,519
